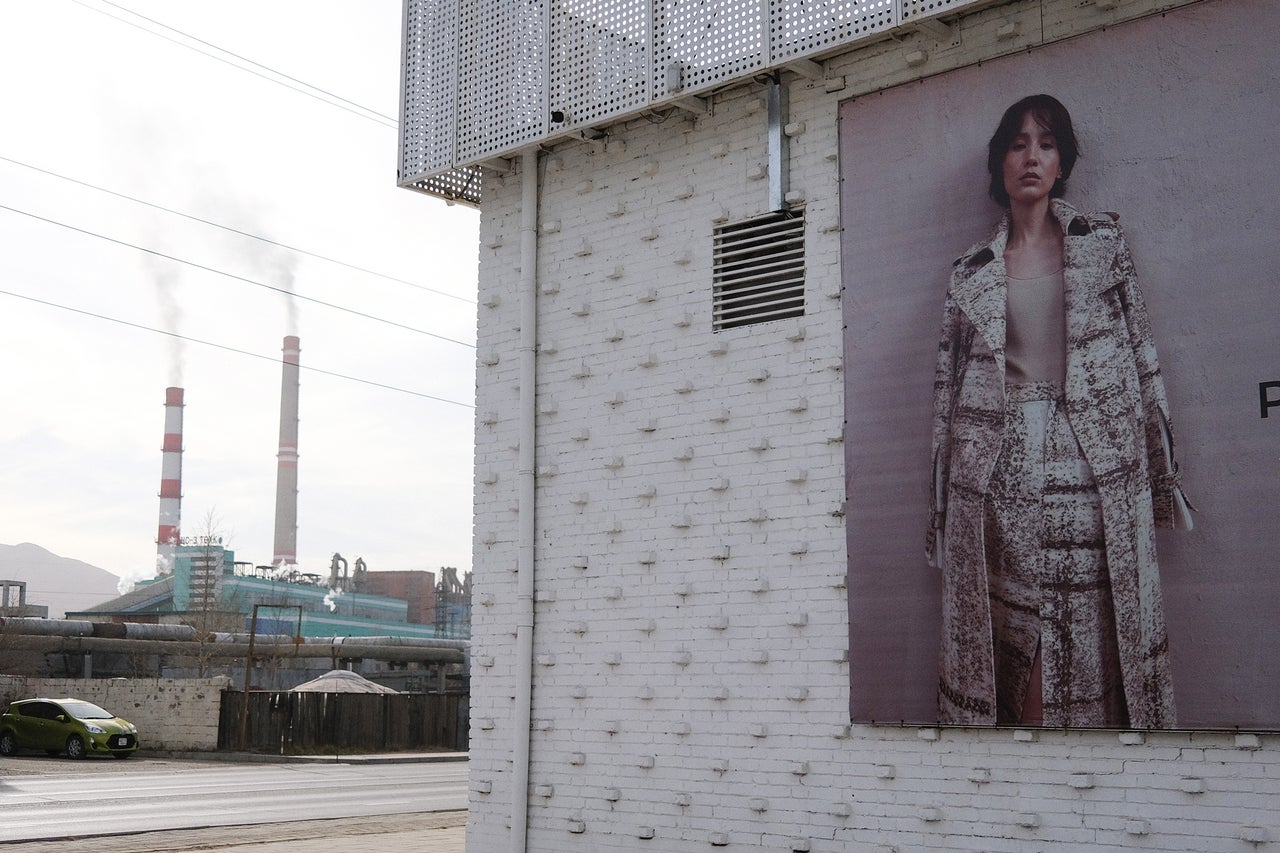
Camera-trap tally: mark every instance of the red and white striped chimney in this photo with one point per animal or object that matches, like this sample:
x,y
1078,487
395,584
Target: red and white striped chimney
x,y
170,482
286,547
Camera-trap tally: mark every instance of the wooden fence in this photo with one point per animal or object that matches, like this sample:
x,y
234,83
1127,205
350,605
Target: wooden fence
x,y
316,723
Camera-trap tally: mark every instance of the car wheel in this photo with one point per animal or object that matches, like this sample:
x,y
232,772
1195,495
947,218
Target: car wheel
x,y
8,743
75,747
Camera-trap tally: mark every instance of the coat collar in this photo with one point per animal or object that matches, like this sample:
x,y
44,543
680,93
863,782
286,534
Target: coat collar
x,y
978,282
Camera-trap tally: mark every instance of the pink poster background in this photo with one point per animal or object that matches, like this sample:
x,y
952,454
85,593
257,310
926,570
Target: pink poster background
x,y
1179,121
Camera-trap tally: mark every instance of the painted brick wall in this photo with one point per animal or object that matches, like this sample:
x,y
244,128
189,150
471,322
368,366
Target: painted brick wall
x,y
690,677
171,714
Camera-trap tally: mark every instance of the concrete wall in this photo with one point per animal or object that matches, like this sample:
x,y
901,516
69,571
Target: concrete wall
x,y
691,677
169,713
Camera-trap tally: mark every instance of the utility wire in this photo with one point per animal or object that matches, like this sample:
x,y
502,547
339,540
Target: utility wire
x,y
228,228
362,112
273,359
248,60
217,271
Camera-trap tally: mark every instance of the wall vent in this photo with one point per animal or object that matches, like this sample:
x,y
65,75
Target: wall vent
x,y
759,270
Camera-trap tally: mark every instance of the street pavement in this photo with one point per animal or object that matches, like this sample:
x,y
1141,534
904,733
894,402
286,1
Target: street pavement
x,y
436,832
419,832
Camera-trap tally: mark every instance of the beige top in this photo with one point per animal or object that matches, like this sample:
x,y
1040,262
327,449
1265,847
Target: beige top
x,y
1035,348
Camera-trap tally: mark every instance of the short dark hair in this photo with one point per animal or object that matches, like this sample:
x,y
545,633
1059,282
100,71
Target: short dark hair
x,y
1050,114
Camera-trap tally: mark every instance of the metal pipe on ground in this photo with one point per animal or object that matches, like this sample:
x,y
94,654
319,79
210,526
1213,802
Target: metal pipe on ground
x,y
46,643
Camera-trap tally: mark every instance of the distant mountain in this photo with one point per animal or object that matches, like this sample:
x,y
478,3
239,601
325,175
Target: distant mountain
x,y
59,583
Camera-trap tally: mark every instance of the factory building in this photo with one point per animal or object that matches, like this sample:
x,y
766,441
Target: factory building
x,y
211,592
13,601
199,582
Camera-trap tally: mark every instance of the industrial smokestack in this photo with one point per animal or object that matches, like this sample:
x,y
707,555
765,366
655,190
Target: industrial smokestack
x,y
286,549
170,482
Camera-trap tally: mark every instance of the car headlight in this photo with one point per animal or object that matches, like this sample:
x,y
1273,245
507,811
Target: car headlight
x,y
94,730
133,728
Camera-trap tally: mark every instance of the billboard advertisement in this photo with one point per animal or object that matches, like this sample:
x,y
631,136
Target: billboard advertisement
x,y
1062,368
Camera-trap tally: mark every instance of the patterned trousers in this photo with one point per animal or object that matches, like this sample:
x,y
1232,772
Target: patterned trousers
x,y
1049,588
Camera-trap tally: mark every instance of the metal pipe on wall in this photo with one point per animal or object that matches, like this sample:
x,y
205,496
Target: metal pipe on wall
x,y
523,711
779,145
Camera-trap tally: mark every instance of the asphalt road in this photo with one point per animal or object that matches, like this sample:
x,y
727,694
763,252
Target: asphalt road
x,y
45,798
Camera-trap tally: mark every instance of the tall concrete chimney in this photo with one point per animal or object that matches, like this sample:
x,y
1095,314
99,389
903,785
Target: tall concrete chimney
x,y
286,550
170,482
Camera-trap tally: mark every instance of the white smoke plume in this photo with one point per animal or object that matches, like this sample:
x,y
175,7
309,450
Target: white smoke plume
x,y
331,599
165,277
270,264
131,577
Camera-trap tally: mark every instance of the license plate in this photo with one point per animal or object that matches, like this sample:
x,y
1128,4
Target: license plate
x,y
122,741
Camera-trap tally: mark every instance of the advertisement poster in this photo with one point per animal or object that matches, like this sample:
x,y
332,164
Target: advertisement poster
x,y
1021,468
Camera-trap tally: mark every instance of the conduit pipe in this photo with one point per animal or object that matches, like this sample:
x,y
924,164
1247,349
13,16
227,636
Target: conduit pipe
x,y
779,147
522,714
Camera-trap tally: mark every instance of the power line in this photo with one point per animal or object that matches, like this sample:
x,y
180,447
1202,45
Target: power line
x,y
234,230
272,359
362,111
250,61
241,278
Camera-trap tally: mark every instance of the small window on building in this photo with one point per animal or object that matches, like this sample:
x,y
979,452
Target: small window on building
x,y
759,270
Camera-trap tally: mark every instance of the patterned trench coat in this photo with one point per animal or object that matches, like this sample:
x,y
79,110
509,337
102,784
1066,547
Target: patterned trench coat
x,y
1115,402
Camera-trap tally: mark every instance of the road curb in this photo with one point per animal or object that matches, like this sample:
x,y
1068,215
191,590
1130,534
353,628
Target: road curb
x,y
264,758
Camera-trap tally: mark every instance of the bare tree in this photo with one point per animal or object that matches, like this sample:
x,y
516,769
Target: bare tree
x,y
210,610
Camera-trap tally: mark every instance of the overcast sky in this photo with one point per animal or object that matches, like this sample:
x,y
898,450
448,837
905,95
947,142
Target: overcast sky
x,y
93,94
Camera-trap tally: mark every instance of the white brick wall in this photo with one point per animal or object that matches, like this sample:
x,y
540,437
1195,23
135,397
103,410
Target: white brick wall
x,y
690,676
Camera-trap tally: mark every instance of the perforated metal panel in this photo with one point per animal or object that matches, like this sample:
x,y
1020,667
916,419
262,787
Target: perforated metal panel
x,y
599,58
800,27
502,73
701,43
913,9
483,78
429,88
461,185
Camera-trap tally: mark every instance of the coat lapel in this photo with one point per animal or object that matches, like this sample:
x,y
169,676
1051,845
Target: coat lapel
x,y
1086,261
982,294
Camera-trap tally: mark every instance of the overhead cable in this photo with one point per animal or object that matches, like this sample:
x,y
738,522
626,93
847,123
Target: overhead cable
x,y
274,359
361,111
255,283
228,228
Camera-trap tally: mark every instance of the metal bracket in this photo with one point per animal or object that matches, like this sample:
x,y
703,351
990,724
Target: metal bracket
x,y
501,165
806,68
692,104
937,29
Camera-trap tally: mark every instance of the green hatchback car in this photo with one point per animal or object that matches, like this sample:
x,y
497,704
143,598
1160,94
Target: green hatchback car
x,y
73,726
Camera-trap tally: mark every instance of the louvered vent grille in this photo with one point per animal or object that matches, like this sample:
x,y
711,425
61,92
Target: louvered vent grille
x,y
759,271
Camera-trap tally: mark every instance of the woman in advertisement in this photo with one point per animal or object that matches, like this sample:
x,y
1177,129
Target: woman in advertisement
x,y
1052,459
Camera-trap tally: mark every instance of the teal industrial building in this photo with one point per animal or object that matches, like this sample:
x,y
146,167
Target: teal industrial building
x,y
212,592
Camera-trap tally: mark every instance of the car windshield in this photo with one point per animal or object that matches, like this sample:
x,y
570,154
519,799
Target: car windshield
x,y
85,710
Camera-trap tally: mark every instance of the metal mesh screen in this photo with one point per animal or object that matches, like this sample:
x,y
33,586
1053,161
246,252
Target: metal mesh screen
x,y
502,71
800,27
914,9
483,78
429,87
599,58
460,185
702,42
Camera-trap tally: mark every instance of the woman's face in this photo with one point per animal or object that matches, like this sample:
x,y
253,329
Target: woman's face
x,y
1032,163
